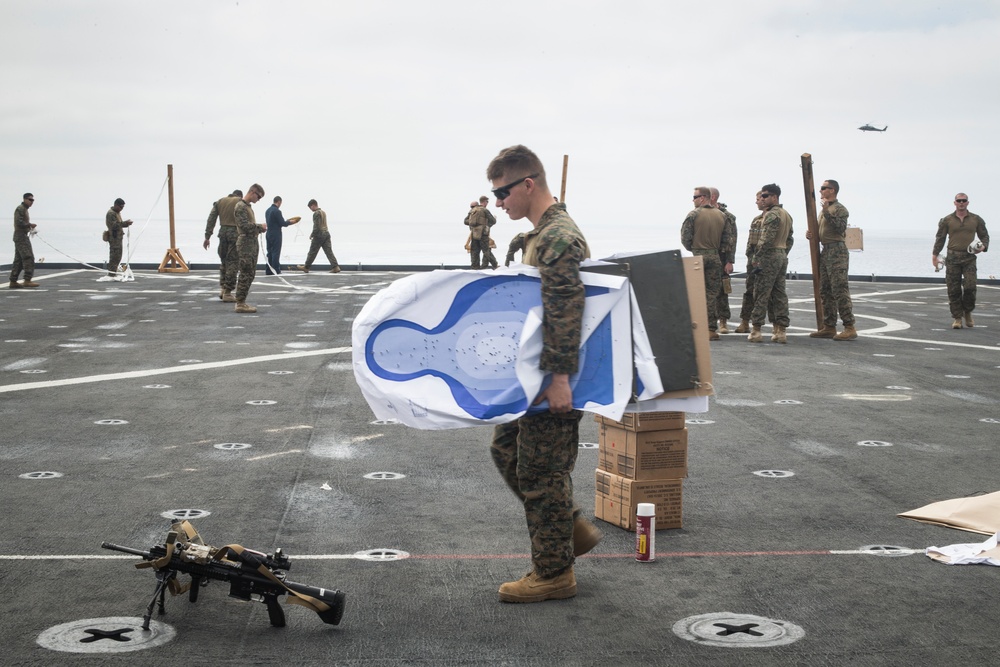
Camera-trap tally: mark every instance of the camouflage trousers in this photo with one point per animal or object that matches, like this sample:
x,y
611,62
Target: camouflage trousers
x,y
769,288
229,261
833,288
960,279
114,258
712,266
247,249
535,456
746,307
321,240
722,300
24,259
479,247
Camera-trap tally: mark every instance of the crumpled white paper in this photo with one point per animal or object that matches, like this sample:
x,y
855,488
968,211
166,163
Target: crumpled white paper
x,y
967,554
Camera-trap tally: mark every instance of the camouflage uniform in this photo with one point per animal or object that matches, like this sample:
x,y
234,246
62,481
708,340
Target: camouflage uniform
x,y
320,238
113,221
224,211
722,303
479,220
960,264
704,233
753,238
536,454
835,293
516,243
24,257
771,257
247,248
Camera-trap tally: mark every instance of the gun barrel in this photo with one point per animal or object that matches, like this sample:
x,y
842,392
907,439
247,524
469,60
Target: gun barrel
x,y
126,550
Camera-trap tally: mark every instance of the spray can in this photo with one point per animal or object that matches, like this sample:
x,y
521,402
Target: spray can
x,y
645,532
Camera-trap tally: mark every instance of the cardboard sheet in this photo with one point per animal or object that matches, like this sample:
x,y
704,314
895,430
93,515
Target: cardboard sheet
x,y
977,514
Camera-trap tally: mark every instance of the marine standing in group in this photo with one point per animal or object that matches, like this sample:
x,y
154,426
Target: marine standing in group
x,y
753,237
770,262
224,210
722,304
116,231
704,234
835,292
480,221
536,454
960,229
24,257
320,238
247,246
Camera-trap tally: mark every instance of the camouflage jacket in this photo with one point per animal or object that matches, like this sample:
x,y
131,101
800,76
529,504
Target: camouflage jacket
x,y
557,246
775,230
224,210
516,243
753,234
705,228
833,222
961,233
730,257
246,221
319,223
22,222
113,221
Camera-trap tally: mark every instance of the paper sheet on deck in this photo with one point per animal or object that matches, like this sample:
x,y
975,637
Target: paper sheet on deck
x,y
977,514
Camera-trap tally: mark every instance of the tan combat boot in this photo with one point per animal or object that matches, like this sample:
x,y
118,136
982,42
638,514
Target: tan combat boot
x,y
755,335
585,536
15,285
744,327
849,333
713,335
778,334
227,297
723,329
222,292
826,332
957,324
244,307
968,320
303,268
532,588
28,283
335,269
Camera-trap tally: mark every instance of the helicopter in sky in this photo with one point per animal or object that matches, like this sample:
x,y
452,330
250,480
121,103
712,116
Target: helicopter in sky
x,y
868,127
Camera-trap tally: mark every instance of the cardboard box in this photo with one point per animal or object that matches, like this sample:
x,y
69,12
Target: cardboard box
x,y
646,421
695,280
643,455
618,498
855,238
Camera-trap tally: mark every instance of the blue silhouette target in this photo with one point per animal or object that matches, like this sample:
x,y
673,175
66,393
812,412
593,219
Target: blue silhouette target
x,y
447,349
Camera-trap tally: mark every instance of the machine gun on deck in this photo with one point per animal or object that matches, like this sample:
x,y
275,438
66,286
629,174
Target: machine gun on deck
x,y
251,575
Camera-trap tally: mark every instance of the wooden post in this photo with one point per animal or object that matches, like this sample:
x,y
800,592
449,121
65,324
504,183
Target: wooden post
x,y
172,262
562,192
813,226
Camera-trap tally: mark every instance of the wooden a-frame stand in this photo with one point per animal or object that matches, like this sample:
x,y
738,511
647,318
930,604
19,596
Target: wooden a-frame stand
x,y
172,262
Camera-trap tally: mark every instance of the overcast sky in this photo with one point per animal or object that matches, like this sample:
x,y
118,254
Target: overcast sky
x,y
391,110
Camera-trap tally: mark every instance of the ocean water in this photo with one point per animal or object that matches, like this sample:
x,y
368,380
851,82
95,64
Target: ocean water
x,y
435,244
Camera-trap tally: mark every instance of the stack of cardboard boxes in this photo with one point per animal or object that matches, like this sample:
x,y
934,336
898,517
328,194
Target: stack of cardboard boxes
x,y
641,459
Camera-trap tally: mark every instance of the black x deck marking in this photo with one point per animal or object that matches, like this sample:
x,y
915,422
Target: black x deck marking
x,y
116,635
733,629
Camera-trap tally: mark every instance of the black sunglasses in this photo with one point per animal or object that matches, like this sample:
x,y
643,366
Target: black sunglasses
x,y
957,201
504,190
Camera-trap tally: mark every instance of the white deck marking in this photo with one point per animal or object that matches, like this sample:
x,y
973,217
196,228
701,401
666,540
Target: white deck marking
x,y
110,377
